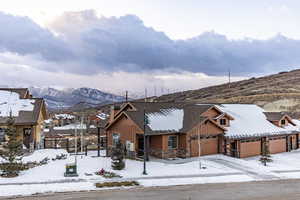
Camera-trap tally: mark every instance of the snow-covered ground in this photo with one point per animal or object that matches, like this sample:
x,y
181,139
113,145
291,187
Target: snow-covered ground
x,y
219,168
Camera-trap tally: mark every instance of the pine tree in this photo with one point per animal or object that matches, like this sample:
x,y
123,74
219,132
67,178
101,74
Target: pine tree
x,y
117,157
11,152
265,156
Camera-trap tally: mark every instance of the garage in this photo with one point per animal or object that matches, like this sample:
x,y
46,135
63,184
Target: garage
x,y
209,146
277,145
250,148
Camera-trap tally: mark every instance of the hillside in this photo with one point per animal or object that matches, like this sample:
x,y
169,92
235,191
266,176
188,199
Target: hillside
x,y
279,92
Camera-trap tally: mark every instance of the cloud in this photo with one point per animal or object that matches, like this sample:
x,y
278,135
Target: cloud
x,y
83,43
19,72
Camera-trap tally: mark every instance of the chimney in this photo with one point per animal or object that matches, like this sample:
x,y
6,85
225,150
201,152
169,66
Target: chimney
x,y
113,110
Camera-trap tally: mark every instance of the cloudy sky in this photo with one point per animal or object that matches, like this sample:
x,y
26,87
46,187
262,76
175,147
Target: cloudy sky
x,y
168,45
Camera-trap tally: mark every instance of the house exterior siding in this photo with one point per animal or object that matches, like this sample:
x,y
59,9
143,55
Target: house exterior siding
x,y
209,137
127,130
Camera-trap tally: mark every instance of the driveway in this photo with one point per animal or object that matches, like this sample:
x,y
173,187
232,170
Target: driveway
x,y
264,190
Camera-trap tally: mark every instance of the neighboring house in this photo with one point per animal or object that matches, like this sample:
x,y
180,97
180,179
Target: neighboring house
x,y
63,119
174,129
29,114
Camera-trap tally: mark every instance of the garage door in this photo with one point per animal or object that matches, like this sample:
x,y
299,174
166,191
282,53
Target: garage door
x,y
277,145
208,146
250,149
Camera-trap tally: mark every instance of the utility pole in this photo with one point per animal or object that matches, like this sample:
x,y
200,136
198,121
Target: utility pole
x,y
126,96
98,140
81,134
229,77
76,143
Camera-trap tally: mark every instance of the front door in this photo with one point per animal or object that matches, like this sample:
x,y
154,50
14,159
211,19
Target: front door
x,y
27,137
233,149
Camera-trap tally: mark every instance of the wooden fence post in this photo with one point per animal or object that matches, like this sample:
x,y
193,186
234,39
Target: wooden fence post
x,y
55,143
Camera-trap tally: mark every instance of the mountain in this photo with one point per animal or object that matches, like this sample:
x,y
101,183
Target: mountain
x,y
67,98
278,92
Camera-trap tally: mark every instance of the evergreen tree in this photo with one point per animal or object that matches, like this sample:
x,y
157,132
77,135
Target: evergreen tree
x,y
11,152
265,155
117,157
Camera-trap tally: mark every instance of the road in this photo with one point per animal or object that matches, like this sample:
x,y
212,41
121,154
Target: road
x,y
264,190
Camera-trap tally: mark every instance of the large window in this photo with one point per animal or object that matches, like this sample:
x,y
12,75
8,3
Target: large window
x,y
172,142
115,139
283,122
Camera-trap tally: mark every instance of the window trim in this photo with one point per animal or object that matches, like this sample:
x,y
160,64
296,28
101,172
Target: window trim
x,y
114,135
171,147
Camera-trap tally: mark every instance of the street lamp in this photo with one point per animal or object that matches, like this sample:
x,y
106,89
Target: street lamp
x,y
145,143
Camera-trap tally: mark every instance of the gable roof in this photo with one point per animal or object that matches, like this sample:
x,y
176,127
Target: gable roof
x,y
23,92
25,111
167,117
277,116
250,121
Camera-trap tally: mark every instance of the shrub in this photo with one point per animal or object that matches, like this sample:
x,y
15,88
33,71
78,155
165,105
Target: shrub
x,y
117,184
107,174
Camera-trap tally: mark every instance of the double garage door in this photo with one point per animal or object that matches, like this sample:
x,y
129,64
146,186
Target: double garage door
x,y
208,146
253,148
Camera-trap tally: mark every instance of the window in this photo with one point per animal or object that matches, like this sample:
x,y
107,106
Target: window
x,y
172,142
2,135
115,138
283,122
27,131
223,122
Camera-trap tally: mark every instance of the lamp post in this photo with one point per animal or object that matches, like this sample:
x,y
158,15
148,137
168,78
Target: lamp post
x,y
145,144
98,141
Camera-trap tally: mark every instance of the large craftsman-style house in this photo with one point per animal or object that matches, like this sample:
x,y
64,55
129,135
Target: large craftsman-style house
x,y
190,130
29,114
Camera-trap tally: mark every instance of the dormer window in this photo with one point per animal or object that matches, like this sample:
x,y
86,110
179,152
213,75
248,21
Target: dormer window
x,y
283,122
223,122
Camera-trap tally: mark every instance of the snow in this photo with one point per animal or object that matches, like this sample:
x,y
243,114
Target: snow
x,y
70,126
49,178
11,102
103,116
196,180
64,116
166,119
250,120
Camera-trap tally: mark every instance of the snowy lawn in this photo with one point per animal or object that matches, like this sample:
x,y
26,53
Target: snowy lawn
x,y
88,165
287,161
53,172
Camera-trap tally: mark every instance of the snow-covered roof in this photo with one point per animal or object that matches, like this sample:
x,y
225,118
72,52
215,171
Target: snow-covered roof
x,y
48,121
102,116
166,120
11,102
250,121
64,116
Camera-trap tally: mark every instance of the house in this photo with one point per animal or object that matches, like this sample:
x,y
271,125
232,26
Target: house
x,y
29,114
252,127
189,130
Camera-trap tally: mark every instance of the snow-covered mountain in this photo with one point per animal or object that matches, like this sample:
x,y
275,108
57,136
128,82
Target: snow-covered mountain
x,y
66,98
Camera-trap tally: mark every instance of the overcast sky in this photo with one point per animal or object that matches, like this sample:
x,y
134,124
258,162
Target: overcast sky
x,y
132,44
